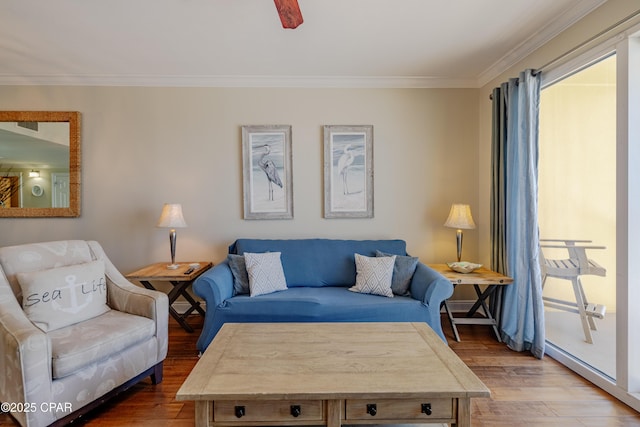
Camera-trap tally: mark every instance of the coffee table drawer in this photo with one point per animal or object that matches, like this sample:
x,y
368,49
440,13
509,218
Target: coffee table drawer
x,y
399,409
267,410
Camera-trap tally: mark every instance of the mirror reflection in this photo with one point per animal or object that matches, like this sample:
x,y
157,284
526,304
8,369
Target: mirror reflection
x,y
39,164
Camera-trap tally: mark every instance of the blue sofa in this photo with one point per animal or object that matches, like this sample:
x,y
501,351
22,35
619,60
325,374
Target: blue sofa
x,y
318,273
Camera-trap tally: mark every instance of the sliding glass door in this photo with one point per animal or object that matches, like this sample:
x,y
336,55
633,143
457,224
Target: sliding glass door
x,y
577,214
589,196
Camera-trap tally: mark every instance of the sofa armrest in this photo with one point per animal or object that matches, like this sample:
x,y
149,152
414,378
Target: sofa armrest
x,y
215,285
432,288
25,359
429,286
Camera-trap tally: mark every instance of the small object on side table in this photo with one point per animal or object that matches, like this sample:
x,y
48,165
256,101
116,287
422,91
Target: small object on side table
x,y
463,266
180,278
480,276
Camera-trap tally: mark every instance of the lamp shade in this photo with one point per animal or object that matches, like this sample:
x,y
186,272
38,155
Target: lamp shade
x,y
171,216
460,217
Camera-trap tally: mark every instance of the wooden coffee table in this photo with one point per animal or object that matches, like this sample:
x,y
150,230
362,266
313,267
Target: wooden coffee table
x,y
267,374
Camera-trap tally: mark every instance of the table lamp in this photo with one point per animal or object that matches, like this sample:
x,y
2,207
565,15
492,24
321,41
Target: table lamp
x,y
460,218
171,217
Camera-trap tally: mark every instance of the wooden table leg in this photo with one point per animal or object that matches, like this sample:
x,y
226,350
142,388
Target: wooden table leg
x,y
334,413
203,413
464,413
452,321
178,289
195,305
481,302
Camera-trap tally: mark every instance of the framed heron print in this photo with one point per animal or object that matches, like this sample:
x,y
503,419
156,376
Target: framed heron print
x,y
267,183
348,171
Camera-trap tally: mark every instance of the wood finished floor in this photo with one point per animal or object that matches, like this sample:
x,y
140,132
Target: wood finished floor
x,y
525,391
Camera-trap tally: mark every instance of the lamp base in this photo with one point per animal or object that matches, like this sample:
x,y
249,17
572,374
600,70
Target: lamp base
x,y
459,243
173,266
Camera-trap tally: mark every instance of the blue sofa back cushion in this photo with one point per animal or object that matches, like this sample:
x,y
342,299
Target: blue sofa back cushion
x,y
319,262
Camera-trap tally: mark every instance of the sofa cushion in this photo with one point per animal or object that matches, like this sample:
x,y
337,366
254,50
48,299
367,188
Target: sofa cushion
x,y
403,270
97,339
240,277
328,304
373,275
318,262
265,273
63,296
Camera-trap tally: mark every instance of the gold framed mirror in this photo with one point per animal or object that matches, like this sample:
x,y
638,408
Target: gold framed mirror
x,y
39,164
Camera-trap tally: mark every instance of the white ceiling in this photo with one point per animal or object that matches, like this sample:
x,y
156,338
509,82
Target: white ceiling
x,y
342,43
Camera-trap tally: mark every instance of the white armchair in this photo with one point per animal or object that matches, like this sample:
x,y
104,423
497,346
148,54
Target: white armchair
x,y
55,370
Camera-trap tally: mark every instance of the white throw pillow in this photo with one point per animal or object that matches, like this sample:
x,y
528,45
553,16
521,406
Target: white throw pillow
x,y
63,296
374,275
265,273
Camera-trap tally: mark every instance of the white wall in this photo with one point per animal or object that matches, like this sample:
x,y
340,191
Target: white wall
x,y
142,147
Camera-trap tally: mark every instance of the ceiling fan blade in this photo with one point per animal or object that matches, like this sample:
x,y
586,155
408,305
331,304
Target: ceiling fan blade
x,y
289,12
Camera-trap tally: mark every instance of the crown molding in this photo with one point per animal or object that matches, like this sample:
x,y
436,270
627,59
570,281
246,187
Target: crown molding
x,y
563,21
237,81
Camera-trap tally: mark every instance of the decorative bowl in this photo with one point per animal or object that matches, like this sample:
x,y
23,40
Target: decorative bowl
x,y
463,267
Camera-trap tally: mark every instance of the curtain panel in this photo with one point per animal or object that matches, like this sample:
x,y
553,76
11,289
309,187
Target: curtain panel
x,y
514,211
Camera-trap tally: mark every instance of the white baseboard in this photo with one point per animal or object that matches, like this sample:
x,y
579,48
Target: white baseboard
x,y
182,306
459,306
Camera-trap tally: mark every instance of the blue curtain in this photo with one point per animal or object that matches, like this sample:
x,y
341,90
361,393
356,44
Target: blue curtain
x,y
514,211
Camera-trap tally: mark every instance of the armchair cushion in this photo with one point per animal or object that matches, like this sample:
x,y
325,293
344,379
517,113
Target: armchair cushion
x,y
79,345
60,297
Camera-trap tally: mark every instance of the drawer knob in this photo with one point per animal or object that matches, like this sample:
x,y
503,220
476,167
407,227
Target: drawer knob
x,y
426,408
372,409
295,410
240,412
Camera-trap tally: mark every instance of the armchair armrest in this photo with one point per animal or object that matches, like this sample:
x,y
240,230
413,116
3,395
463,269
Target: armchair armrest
x,y
432,288
122,295
573,247
577,255
25,358
566,241
568,244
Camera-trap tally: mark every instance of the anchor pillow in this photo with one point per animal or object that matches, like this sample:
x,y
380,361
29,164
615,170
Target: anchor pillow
x,y
63,296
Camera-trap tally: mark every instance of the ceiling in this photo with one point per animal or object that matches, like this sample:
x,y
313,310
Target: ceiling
x,y
341,43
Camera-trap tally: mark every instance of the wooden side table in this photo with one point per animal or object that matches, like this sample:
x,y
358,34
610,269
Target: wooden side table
x,y
180,280
481,276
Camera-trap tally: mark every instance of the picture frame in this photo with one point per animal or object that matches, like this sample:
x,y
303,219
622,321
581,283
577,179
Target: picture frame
x,y
348,171
267,172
